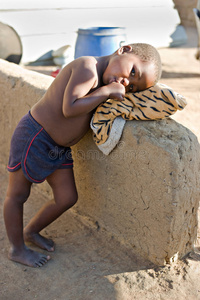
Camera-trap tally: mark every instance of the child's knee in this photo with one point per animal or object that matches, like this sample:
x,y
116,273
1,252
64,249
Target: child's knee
x,y
19,187
72,199
69,200
18,195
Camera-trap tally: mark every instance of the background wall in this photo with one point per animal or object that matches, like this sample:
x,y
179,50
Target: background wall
x,y
185,10
47,25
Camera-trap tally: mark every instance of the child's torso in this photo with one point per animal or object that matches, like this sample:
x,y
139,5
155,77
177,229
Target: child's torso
x,y
48,113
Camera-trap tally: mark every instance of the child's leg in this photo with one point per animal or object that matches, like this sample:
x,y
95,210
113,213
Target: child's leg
x,y
17,194
65,195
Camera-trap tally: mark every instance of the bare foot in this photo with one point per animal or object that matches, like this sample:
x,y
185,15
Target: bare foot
x,y
28,257
40,241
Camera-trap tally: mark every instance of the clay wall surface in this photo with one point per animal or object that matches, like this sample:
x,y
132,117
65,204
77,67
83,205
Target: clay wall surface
x,y
146,192
185,10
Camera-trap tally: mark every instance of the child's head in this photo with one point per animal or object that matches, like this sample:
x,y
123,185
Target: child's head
x,y
136,66
148,53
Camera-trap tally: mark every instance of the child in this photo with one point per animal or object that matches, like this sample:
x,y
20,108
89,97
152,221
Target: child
x,y
40,146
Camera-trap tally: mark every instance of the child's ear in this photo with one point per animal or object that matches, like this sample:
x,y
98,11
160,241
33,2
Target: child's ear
x,y
123,49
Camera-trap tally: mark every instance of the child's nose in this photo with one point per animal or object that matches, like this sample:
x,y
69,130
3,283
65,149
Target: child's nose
x,y
125,82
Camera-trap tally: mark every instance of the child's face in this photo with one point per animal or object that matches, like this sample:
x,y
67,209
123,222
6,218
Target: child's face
x,y
127,69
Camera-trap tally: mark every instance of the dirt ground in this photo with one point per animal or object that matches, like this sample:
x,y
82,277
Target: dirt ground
x,y
87,265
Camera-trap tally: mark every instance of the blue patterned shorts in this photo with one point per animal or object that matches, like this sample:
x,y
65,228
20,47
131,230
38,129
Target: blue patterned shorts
x,y
33,150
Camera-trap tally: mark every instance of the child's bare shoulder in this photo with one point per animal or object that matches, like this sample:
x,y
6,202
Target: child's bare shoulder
x,y
85,66
82,66
85,62
86,59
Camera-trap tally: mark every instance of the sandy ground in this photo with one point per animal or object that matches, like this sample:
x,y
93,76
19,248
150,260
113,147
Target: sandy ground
x,y
86,264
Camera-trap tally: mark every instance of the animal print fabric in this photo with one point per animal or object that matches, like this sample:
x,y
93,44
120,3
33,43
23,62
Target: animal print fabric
x,y
155,103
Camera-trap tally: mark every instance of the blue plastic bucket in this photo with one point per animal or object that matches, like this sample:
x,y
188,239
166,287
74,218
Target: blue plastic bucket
x,y
99,41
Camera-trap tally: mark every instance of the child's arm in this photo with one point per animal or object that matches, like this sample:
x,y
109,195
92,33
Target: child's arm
x,y
77,97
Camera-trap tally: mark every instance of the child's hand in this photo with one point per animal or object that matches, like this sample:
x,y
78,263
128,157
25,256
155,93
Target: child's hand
x,y
116,91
